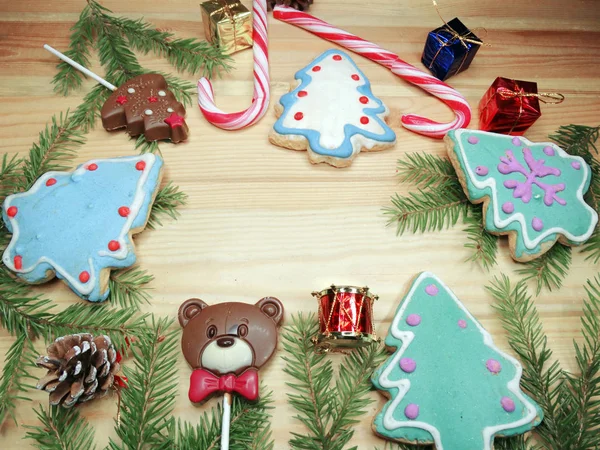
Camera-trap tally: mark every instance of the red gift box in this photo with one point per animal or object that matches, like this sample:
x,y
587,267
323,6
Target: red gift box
x,y
512,106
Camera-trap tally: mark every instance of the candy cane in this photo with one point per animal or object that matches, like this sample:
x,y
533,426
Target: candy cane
x,y
260,99
402,69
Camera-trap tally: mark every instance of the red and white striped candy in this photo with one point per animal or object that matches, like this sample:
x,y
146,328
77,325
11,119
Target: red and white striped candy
x,y
260,99
402,69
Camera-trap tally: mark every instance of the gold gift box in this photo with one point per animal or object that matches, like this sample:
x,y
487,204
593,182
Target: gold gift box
x,y
228,24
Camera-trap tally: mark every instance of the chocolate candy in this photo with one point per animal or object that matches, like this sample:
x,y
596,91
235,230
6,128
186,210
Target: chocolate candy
x,y
145,105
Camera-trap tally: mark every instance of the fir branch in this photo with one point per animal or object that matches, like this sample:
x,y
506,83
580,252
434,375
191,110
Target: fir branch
x,y
10,174
428,210
542,378
167,200
519,442
484,244
148,401
86,113
183,90
14,375
55,149
143,146
61,429
578,140
550,269
427,171
68,78
119,62
128,287
592,246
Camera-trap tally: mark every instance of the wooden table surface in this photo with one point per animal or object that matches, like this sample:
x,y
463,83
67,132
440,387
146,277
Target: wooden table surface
x,y
262,220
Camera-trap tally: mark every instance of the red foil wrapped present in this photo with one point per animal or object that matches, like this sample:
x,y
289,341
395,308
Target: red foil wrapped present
x,y
512,106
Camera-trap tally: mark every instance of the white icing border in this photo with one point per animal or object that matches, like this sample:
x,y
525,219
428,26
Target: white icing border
x,y
491,182
404,385
138,201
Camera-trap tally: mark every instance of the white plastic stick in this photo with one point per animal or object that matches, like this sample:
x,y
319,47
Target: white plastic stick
x,y
79,67
226,421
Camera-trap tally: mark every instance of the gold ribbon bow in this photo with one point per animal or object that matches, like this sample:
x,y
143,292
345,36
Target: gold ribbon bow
x,y
231,16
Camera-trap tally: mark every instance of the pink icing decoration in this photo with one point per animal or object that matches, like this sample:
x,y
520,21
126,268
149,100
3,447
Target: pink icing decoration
x,y
508,404
411,411
462,323
413,320
432,290
408,365
537,224
549,151
473,140
516,141
537,169
481,170
508,207
576,165
493,366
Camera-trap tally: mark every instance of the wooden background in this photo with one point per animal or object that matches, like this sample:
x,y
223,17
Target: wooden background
x,y
262,220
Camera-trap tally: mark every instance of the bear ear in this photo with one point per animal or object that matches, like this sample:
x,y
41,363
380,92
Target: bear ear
x,y
190,309
271,307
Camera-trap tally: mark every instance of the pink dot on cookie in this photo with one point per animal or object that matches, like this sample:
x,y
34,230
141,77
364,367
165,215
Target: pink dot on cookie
x,y
462,323
516,141
411,411
537,224
507,404
84,276
481,171
298,116
124,211
50,181
473,140
12,211
337,58
432,290
508,207
413,320
113,246
493,366
302,93
18,260
408,365
549,151
316,68
576,165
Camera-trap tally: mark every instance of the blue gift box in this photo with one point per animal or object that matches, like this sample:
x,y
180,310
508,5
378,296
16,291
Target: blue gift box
x,y
450,49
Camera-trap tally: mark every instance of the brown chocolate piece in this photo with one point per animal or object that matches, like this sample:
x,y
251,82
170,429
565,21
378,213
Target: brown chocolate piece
x,y
145,105
229,337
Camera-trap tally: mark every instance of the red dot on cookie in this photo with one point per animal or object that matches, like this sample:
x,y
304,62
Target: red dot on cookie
x,y
121,99
337,58
12,211
18,262
298,116
364,100
364,120
84,276
316,68
140,165
124,211
302,93
50,181
92,167
113,246
152,99
355,77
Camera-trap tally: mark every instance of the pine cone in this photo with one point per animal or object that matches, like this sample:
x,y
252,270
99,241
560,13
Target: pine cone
x,y
300,5
80,367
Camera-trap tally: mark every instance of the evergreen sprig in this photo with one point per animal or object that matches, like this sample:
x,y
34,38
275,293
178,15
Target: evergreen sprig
x,y
61,429
427,171
569,401
549,270
168,199
328,410
483,244
128,287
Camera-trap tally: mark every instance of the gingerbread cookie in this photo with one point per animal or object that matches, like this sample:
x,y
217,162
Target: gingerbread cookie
x,y
78,225
332,113
447,383
531,192
227,343
145,105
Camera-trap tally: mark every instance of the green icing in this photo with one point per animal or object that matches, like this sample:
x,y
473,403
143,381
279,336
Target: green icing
x,y
575,219
459,399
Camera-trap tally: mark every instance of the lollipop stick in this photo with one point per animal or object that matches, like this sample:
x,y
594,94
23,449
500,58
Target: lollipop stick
x,y
79,67
226,420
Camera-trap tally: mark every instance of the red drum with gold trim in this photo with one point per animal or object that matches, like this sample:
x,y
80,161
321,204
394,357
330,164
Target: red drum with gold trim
x,y
345,317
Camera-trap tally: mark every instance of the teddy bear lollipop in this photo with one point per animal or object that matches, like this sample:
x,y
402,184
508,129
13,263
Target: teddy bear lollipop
x,y
226,344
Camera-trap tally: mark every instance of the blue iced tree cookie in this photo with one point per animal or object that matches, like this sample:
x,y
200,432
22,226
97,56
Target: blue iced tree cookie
x,y
447,383
332,113
78,225
531,192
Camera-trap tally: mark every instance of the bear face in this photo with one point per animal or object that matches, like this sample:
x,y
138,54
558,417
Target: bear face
x,y
229,337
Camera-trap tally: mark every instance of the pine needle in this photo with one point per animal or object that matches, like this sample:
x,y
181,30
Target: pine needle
x,y
578,140
61,429
427,171
128,287
484,244
87,112
167,200
549,270
143,146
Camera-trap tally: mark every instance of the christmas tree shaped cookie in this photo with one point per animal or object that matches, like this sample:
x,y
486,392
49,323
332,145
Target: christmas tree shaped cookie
x,y
531,192
332,113
447,383
78,225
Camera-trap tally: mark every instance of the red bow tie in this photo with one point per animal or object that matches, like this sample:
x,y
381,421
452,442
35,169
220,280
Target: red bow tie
x,y
204,383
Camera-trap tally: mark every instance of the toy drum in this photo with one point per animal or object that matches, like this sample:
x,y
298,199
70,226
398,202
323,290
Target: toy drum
x,y
345,317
